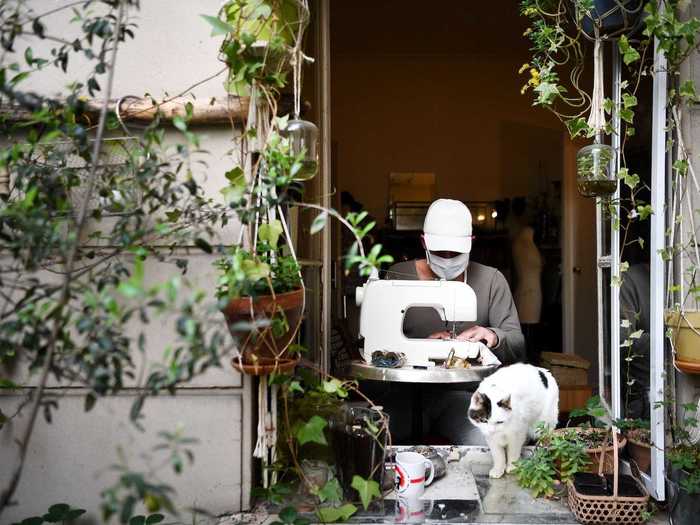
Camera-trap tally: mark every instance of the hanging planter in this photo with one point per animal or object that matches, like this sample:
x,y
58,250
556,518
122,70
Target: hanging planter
x,y
594,176
609,18
303,140
264,327
682,327
260,38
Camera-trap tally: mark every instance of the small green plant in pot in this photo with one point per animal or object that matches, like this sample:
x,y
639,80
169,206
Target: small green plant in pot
x,y
638,434
332,444
684,459
597,440
262,298
593,171
556,458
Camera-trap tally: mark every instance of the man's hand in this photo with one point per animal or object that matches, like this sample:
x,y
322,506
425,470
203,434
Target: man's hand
x,y
479,333
440,335
473,334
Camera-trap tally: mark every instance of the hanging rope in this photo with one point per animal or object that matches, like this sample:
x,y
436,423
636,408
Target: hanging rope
x,y
596,119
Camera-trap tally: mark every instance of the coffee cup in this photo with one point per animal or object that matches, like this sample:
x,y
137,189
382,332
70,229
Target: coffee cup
x,y
410,474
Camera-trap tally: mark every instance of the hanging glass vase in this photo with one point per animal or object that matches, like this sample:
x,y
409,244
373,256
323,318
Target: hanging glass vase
x,y
594,174
303,138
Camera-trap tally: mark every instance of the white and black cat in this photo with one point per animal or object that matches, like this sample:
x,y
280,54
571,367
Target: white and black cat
x,y
507,407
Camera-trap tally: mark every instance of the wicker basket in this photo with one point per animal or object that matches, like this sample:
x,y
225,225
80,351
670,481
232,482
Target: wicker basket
x,y
608,509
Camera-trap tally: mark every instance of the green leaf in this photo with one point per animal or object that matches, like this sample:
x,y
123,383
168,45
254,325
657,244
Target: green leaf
x,y
629,53
687,90
270,232
219,27
334,386
6,383
90,401
154,518
331,514
36,520
203,245
288,515
629,179
295,386
627,115
644,211
628,100
180,123
319,223
331,491
367,489
577,126
255,270
312,431
547,92
173,215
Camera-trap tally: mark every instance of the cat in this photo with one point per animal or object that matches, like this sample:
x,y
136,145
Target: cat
x,y
508,405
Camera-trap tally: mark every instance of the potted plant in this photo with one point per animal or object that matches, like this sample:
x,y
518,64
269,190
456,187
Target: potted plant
x,y
638,436
684,460
262,298
557,456
597,440
261,40
332,445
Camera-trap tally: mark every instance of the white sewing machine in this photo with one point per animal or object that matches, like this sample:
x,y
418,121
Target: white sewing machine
x,y
384,304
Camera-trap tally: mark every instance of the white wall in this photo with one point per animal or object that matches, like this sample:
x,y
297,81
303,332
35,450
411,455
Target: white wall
x,y
68,459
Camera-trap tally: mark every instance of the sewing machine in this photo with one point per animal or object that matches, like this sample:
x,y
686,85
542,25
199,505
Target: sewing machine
x,y
385,302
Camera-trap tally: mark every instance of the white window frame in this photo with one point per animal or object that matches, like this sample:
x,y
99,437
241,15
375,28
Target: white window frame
x,y
656,481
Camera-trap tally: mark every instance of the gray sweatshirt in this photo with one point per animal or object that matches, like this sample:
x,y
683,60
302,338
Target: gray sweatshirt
x,y
495,309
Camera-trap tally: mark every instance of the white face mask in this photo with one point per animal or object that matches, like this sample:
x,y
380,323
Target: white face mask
x,y
450,268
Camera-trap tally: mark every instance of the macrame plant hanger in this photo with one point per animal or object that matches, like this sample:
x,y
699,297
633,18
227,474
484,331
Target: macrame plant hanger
x,y
596,119
260,118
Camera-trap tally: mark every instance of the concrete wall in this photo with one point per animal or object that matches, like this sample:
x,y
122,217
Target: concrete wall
x,y
69,459
687,385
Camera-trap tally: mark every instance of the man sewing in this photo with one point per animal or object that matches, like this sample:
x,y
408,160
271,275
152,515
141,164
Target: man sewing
x,y
447,239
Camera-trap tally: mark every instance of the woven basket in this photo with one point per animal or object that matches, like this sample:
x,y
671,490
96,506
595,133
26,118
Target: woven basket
x,y
608,509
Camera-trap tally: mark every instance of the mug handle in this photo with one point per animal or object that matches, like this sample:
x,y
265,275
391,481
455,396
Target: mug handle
x,y
432,472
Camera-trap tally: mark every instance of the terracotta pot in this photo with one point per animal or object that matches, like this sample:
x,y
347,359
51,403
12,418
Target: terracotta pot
x,y
264,366
595,453
686,339
257,344
640,452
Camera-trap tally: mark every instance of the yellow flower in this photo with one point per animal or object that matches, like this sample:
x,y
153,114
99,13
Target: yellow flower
x,y
523,68
523,89
534,73
527,31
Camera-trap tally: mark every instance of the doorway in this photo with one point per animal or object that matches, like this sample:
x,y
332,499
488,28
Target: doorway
x,y
436,93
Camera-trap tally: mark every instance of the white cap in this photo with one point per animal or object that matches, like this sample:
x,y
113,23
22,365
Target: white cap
x,y
448,227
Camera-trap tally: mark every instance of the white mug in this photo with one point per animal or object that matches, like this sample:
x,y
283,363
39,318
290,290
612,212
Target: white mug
x,y
410,472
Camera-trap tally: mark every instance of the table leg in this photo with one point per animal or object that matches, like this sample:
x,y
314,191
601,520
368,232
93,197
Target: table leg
x,y
417,419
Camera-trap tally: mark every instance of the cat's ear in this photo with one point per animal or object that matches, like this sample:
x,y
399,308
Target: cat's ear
x,y
477,399
505,403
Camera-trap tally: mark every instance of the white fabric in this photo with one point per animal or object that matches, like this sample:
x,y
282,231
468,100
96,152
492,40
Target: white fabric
x,y
448,227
